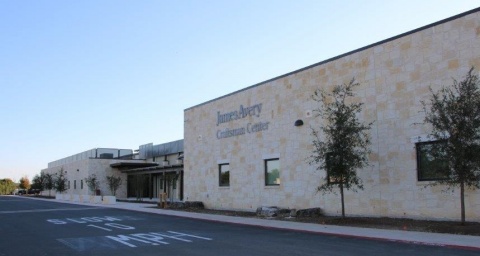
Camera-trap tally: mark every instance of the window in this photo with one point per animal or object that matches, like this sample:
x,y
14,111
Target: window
x,y
224,175
174,182
81,184
430,167
75,184
272,172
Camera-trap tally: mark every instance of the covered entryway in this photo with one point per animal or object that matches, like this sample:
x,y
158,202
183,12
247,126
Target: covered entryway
x,y
157,169
152,180
151,183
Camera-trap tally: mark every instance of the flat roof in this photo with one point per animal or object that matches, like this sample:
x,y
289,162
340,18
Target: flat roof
x,y
345,54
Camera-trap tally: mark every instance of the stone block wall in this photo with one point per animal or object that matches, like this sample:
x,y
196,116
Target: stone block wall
x,y
395,76
80,170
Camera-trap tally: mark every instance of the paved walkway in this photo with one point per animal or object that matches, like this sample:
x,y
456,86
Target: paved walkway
x,y
448,240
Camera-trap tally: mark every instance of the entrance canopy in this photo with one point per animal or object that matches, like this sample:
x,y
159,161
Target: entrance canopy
x,y
154,169
126,165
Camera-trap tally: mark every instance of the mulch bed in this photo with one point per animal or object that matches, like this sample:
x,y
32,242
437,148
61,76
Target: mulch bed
x,y
449,227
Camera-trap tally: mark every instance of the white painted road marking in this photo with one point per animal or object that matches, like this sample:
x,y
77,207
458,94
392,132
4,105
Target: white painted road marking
x,y
181,234
113,241
124,238
50,210
119,226
84,220
131,240
113,225
95,226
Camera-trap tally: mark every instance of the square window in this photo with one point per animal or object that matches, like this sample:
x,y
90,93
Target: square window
x,y
272,172
430,165
224,175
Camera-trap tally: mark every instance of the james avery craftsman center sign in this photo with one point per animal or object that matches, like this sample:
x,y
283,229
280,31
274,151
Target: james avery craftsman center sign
x,y
251,111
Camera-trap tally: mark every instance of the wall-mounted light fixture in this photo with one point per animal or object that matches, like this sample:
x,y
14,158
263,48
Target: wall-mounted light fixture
x,y
299,122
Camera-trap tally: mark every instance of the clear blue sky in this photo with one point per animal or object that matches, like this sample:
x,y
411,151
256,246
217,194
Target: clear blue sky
x,y
76,75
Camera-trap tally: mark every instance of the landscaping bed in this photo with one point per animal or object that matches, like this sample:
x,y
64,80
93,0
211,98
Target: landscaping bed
x,y
450,227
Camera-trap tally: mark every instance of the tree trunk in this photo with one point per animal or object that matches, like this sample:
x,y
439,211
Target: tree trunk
x,y
462,201
343,202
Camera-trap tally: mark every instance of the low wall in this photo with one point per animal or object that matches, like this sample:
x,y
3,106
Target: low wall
x,y
87,199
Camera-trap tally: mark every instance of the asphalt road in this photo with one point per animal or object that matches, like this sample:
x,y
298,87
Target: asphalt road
x,y
34,227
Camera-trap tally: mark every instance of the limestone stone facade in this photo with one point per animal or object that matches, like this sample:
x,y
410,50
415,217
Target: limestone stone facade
x,y
151,171
78,171
247,127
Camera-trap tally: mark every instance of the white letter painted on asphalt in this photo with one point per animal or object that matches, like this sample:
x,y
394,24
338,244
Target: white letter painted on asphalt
x,y
182,234
122,239
151,237
55,221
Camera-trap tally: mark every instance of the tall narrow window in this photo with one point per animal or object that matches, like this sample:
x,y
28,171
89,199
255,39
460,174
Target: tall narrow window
x,y
81,184
174,182
272,172
75,184
430,167
224,175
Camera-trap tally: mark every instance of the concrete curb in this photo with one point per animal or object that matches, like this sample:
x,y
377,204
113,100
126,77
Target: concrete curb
x,y
412,237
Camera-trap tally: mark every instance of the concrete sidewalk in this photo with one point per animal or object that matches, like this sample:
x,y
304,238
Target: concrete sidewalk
x,y
447,240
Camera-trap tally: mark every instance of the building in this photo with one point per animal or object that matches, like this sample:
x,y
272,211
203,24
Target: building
x,y
151,170
95,161
160,171
243,150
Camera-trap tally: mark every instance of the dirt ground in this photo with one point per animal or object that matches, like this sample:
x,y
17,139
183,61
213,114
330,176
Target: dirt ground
x,y
450,227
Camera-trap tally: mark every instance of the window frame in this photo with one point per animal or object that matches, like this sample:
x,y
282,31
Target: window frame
x,y
266,161
419,162
220,184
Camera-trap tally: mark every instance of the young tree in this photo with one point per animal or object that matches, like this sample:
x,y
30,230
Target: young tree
x,y
114,183
49,182
38,182
454,115
345,145
60,181
24,183
93,183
